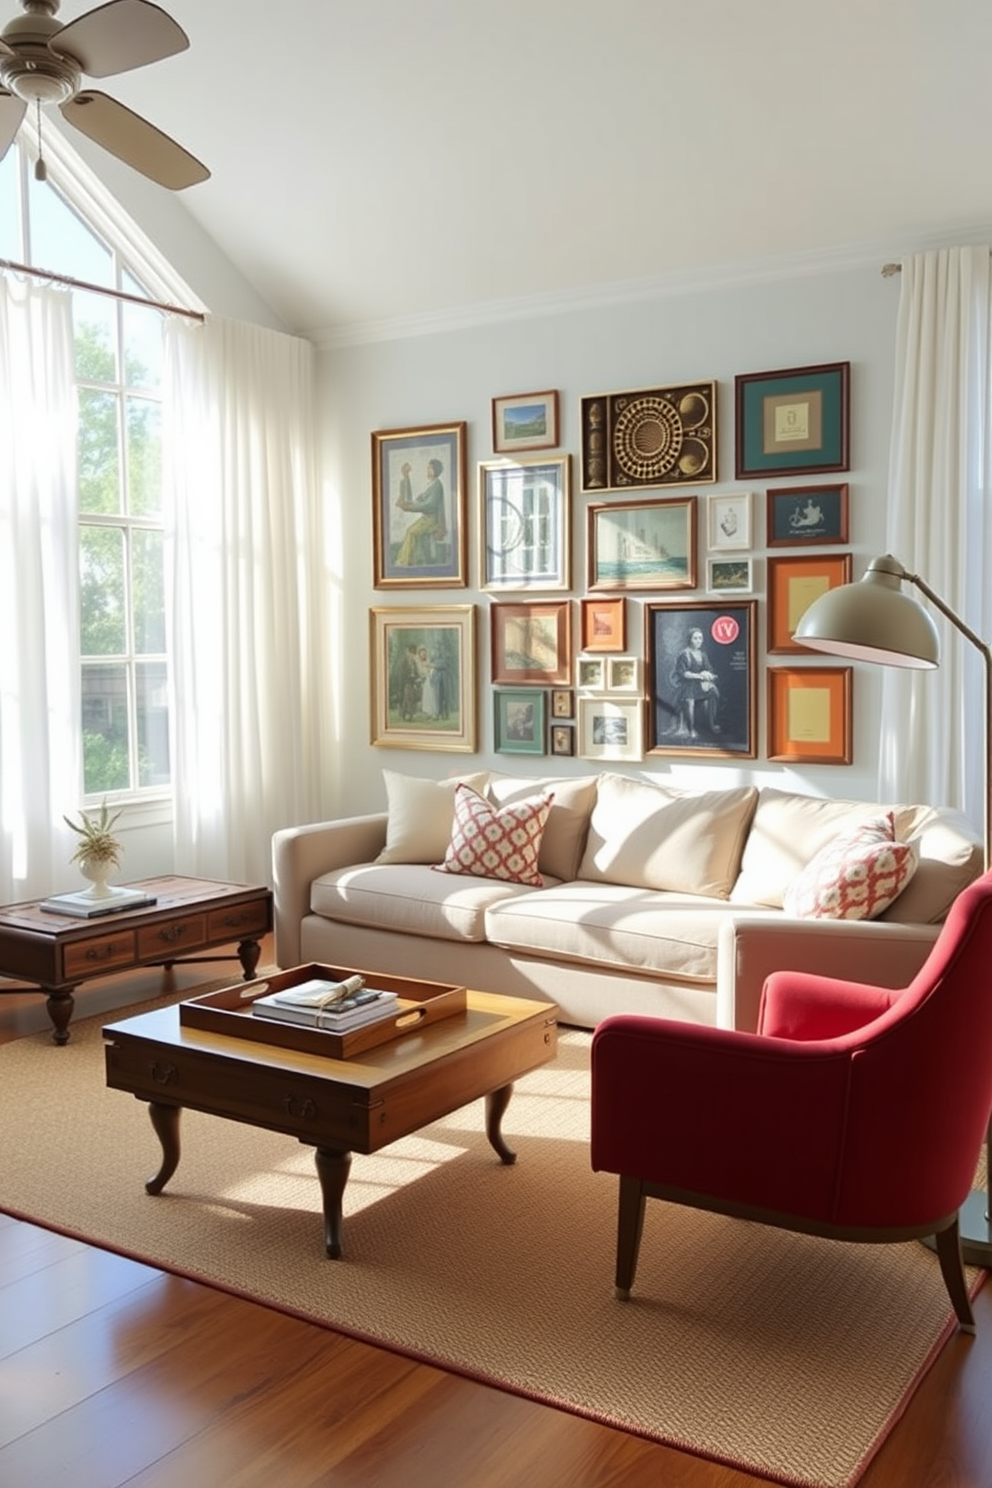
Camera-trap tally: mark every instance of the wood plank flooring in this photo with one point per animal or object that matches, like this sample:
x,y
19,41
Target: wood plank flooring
x,y
114,1373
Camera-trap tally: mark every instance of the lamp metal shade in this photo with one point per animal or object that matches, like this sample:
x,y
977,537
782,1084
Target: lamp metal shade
x,y
872,620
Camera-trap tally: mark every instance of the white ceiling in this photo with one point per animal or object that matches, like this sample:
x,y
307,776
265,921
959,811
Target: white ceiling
x,y
397,160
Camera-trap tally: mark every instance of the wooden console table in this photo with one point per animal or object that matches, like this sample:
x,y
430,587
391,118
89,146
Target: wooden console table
x,y
58,952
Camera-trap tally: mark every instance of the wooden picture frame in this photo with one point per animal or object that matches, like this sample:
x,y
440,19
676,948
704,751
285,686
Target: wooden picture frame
x,y
611,729
531,642
809,715
644,437
525,524
730,575
419,528
700,660
793,584
520,720
562,738
642,544
603,624
729,522
792,422
423,666
525,421
799,516
562,702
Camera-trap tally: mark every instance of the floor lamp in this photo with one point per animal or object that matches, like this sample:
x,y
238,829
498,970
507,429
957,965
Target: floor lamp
x,y
874,620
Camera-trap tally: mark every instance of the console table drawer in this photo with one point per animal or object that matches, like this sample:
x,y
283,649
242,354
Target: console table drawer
x,y
239,921
98,954
175,937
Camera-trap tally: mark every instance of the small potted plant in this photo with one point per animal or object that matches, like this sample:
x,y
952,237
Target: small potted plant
x,y
98,850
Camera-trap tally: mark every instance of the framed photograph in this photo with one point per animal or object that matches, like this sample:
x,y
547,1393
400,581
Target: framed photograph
x,y
611,729
604,624
520,721
649,437
809,715
590,674
729,522
419,529
799,515
642,544
423,677
531,643
793,584
525,421
623,674
562,702
525,524
700,661
729,575
562,738
792,422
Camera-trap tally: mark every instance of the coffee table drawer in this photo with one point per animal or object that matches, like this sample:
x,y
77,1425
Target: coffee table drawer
x,y
174,938
99,953
238,922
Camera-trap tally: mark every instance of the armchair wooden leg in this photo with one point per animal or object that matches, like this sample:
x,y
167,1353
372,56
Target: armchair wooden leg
x,y
952,1270
630,1223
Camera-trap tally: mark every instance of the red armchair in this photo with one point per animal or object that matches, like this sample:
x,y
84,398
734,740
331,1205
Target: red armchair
x,y
855,1112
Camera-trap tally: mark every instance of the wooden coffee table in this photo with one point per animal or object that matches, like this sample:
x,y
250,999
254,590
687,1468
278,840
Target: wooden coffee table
x,y
336,1106
58,952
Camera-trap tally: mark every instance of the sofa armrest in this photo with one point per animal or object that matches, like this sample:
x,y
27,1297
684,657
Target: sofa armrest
x,y
301,854
750,948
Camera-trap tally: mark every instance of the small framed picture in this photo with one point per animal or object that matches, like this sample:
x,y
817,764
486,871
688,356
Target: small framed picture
x,y
642,544
809,715
525,421
590,674
793,584
802,515
611,729
419,529
562,702
792,422
525,525
729,522
531,642
562,738
729,575
623,674
519,720
604,624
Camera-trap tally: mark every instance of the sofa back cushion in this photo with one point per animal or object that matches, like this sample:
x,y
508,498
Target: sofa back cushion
x,y
655,837
420,816
950,858
564,837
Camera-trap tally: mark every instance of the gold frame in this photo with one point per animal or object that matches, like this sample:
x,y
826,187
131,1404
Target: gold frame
x,y
393,630
391,450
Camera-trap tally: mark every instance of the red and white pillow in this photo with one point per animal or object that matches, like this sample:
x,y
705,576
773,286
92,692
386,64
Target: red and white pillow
x,y
856,876
491,842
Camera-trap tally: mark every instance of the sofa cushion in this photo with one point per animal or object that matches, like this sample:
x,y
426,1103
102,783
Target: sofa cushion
x,y
564,837
788,830
410,898
418,829
496,841
855,876
655,837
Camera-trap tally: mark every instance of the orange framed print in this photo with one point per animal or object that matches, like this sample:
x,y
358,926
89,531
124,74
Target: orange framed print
x,y
604,624
793,584
809,715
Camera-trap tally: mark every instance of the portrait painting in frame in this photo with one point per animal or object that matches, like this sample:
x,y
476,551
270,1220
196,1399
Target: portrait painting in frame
x,y
423,677
418,508
701,670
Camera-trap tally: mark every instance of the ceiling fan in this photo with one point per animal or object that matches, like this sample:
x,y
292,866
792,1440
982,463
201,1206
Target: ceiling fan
x,y
43,62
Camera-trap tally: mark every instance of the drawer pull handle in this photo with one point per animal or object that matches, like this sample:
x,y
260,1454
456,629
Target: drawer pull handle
x,y
163,1074
304,1110
172,933
101,953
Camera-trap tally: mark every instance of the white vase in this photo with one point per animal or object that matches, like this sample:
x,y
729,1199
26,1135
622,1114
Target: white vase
x,y
97,871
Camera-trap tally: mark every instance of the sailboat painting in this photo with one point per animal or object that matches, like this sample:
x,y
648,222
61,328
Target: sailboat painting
x,y
642,544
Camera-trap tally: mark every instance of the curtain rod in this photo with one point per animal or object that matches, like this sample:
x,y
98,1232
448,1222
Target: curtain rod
x,y
114,294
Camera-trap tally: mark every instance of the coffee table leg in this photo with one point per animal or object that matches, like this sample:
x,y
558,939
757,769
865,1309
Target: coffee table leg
x,y
165,1120
496,1104
332,1170
248,954
60,1005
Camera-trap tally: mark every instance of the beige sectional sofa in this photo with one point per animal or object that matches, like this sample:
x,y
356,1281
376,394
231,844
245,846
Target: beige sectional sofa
x,y
654,900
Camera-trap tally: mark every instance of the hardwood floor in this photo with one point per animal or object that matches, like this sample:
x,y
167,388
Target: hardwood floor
x,y
114,1373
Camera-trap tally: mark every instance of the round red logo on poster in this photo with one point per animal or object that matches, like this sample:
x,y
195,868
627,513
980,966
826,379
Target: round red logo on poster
x,y
725,630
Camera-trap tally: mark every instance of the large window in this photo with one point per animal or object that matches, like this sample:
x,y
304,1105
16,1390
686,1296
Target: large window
x,y
118,345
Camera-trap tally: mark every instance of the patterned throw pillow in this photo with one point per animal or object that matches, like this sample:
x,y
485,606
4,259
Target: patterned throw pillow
x,y
487,842
855,876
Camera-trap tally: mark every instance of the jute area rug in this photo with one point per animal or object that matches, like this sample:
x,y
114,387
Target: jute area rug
x,y
784,1355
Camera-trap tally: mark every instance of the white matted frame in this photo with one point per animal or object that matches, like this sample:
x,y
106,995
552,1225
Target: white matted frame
x,y
590,673
423,667
623,674
729,522
525,524
611,728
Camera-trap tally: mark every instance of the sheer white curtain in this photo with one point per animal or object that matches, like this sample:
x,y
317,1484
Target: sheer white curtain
x,y
40,767
940,523
244,594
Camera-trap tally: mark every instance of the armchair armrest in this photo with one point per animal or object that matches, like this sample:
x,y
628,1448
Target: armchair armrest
x,y
800,1006
301,854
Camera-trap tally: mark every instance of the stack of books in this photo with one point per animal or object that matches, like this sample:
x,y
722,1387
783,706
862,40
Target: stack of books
x,y
83,906
336,1006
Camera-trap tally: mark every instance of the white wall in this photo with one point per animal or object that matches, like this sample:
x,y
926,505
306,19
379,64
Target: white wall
x,y
714,333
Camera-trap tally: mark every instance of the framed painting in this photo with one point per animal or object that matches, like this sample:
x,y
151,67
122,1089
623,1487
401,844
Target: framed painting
x,y
662,436
611,729
642,544
419,532
423,677
562,738
729,575
700,661
792,422
729,526
590,674
801,515
531,642
623,674
793,584
809,715
604,624
525,421
562,702
525,524
519,720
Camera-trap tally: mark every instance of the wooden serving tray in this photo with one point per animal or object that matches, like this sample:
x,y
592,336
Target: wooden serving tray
x,y
229,1011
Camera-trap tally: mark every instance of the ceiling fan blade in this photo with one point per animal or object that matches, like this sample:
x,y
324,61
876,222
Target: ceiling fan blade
x,y
119,36
12,111
133,140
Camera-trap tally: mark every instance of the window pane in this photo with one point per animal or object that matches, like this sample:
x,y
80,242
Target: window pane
x,y
153,723
95,326
10,214
142,344
104,720
99,460
60,240
149,593
144,457
101,575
